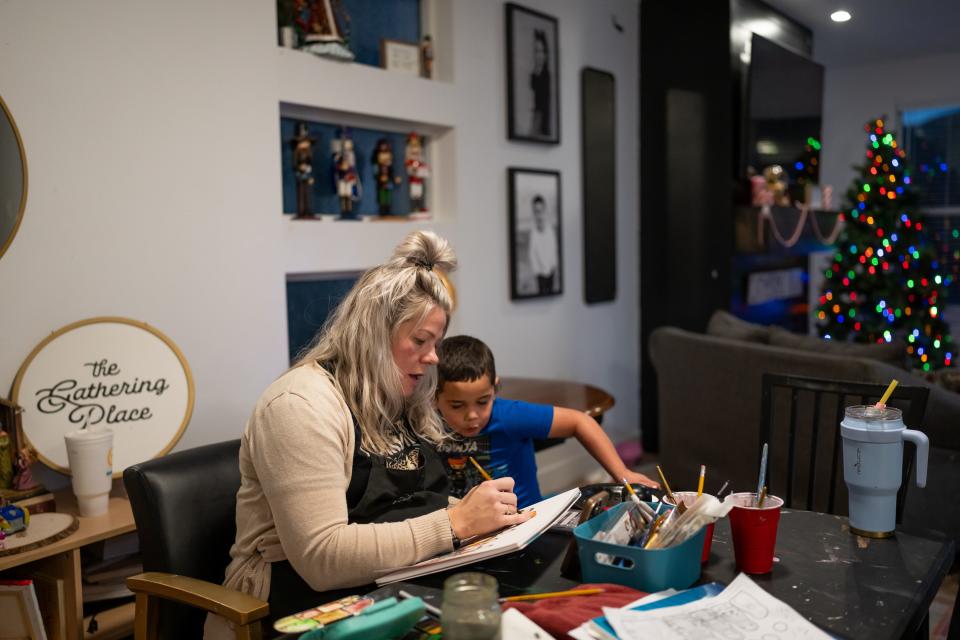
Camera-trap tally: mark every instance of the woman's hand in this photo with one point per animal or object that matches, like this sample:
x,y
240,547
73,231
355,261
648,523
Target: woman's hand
x,y
638,478
487,507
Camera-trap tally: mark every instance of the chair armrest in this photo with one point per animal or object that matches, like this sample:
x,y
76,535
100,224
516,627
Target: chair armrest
x,y
235,606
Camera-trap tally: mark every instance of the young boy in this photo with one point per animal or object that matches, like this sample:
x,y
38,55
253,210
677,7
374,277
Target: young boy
x,y
499,433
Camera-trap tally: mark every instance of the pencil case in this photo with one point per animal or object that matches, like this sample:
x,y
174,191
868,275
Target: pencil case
x,y
387,618
651,570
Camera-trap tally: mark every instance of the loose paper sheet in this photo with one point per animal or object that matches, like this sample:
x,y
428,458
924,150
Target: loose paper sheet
x,y
743,611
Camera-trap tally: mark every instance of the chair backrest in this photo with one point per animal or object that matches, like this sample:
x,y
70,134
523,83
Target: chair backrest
x,y
184,505
800,419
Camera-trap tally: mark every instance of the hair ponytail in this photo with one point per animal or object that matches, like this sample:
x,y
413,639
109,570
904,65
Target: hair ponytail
x,y
356,341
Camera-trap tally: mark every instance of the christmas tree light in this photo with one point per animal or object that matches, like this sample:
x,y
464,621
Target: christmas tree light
x,y
883,284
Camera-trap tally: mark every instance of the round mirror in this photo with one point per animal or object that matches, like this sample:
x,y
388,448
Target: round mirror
x,y
13,178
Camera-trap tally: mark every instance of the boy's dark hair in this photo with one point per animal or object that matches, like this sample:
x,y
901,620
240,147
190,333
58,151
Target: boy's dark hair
x,y
464,359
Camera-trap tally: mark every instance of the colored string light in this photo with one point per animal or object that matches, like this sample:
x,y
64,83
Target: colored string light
x,y
868,261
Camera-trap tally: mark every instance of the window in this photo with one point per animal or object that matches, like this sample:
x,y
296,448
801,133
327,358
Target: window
x,y
932,139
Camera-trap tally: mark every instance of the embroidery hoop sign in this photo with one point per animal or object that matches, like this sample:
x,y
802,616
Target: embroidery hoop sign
x,y
105,372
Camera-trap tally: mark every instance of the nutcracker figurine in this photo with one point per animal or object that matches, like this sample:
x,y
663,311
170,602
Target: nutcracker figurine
x,y
383,173
345,178
303,168
417,172
426,55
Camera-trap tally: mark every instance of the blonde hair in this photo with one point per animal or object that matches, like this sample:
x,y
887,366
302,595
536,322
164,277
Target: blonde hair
x,y
355,344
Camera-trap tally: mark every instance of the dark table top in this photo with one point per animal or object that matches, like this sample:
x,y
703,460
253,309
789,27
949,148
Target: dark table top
x,y
852,587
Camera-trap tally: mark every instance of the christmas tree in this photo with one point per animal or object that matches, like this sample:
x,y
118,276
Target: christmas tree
x,y
883,284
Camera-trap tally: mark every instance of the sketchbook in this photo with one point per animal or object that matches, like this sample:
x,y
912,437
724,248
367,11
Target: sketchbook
x,y
492,545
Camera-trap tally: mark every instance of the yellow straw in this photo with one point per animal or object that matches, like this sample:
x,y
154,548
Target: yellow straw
x,y
763,496
703,472
483,472
886,394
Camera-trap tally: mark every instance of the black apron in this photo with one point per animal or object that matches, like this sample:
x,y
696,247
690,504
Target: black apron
x,y
380,491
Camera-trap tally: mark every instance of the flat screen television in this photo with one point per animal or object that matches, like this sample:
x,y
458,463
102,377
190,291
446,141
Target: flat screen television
x,y
784,111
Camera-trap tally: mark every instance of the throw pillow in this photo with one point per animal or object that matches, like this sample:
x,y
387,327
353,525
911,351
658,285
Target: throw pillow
x,y
726,325
891,353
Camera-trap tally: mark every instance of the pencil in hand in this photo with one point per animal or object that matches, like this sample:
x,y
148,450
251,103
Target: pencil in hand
x,y
483,472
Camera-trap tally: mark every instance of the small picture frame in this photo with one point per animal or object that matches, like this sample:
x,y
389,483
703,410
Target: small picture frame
x,y
533,75
397,55
536,245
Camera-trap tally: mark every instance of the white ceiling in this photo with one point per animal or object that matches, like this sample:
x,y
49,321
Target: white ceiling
x,y
879,30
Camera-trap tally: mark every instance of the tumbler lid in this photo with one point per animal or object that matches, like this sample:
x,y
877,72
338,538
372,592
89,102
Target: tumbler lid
x,y
872,413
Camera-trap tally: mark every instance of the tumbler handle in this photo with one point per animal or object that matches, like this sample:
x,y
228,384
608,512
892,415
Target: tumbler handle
x,y
923,448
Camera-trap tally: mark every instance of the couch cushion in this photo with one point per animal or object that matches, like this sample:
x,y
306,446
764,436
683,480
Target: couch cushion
x,y
891,353
726,325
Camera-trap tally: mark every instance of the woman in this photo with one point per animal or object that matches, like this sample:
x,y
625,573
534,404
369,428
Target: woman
x,y
338,475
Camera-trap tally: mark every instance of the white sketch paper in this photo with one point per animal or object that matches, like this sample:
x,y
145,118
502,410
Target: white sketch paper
x,y
743,611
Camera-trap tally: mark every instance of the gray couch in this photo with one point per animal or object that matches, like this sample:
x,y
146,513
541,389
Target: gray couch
x,y
709,389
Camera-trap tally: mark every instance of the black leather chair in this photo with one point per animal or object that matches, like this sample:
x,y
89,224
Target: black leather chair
x,y
184,505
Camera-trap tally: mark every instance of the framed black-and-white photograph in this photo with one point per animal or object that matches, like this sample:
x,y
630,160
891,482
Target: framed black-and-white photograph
x,y
533,76
536,239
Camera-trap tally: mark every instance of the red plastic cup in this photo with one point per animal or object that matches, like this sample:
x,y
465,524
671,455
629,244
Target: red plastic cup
x,y
688,498
754,531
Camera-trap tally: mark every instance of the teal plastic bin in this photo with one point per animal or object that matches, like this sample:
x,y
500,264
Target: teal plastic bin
x,y
650,570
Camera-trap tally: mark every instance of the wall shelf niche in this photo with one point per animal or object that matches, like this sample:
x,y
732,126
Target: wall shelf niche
x,y
370,22
366,130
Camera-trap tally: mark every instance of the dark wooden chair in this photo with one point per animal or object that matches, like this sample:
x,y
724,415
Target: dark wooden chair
x,y
800,419
184,505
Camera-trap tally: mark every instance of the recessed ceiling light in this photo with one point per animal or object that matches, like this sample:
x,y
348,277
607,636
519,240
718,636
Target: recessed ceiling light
x,y
840,16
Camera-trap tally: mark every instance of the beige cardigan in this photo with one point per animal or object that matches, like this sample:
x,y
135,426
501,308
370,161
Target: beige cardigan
x,y
296,458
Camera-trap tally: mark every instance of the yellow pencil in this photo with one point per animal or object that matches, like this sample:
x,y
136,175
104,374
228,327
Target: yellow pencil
x,y
703,472
553,594
483,472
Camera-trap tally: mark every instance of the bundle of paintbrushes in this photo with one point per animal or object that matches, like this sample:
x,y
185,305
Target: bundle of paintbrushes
x,y
677,527
640,525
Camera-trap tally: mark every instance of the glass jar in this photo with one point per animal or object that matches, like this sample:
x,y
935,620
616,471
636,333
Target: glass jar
x,y
471,609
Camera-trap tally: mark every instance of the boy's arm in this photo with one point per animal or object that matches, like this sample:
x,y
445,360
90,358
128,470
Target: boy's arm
x,y
570,422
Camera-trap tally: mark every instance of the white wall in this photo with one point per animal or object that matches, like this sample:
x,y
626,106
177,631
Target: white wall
x,y
855,94
151,132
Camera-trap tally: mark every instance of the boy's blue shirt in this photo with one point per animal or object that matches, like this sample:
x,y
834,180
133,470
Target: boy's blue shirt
x,y
503,448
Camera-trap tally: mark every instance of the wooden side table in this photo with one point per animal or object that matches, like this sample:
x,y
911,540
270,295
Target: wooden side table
x,y
61,560
560,393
